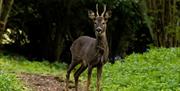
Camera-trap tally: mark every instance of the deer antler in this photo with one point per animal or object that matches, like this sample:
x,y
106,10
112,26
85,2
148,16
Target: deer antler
x,y
104,10
97,10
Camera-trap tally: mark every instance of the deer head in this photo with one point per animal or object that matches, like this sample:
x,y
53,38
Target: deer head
x,y
100,21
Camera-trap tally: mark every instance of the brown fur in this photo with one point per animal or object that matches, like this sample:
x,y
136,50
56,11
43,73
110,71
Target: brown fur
x,y
90,52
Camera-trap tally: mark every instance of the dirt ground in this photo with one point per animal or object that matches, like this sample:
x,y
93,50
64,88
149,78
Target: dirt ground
x,y
45,83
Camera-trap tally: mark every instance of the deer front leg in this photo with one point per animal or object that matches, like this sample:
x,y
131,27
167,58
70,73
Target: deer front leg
x,y
89,77
77,74
99,72
71,67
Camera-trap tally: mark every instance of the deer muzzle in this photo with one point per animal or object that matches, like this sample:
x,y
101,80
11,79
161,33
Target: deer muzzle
x,y
99,29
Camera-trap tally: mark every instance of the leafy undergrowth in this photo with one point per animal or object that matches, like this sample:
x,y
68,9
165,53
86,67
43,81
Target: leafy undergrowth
x,y
156,70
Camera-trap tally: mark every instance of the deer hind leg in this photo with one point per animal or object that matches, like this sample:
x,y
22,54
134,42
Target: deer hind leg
x,y
89,77
99,72
77,74
71,67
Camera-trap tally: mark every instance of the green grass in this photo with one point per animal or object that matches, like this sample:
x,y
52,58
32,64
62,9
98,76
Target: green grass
x,y
156,70
20,64
11,66
9,82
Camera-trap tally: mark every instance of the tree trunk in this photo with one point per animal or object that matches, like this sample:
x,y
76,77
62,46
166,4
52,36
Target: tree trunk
x,y
1,3
5,8
163,28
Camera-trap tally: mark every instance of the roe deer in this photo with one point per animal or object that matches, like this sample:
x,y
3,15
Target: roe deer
x,y
90,52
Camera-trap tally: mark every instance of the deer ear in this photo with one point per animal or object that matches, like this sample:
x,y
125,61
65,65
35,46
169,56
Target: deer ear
x,y
108,14
91,14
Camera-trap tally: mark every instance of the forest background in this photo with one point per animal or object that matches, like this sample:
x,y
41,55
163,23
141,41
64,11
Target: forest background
x,y
45,29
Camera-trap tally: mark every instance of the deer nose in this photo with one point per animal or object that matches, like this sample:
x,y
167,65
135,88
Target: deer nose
x,y
98,29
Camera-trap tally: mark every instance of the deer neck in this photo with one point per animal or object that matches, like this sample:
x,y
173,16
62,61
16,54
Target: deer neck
x,y
102,42
102,49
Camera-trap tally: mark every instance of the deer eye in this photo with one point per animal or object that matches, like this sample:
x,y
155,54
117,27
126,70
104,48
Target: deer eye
x,y
103,23
95,23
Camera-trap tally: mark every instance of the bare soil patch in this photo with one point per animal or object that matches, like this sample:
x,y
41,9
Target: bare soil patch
x,y
45,83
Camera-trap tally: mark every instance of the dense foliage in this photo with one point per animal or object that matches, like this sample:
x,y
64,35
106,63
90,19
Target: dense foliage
x,y
45,29
157,69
